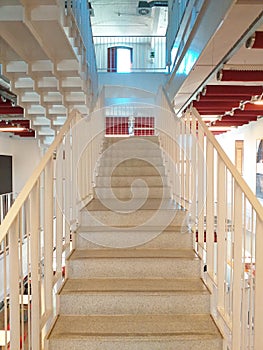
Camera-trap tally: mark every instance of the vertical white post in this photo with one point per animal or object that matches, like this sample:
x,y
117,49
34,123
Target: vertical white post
x,y
238,269
187,161
258,340
221,234
14,286
193,174
48,235
34,258
182,162
201,187
210,208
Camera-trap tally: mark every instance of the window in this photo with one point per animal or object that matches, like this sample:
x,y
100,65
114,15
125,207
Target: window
x,y
119,59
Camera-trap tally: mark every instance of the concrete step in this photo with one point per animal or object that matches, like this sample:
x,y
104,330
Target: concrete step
x,y
147,217
135,204
131,215
132,151
130,332
133,263
134,296
133,161
175,237
123,181
129,192
134,139
143,170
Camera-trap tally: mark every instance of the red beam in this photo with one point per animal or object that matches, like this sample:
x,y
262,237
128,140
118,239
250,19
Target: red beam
x,y
215,105
240,75
221,98
239,119
211,112
254,107
256,41
230,123
232,90
11,110
22,123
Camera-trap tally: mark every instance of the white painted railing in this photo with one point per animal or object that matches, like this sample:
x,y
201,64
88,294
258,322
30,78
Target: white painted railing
x,y
36,236
6,201
148,53
228,220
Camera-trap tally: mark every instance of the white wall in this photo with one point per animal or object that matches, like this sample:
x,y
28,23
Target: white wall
x,y
250,134
26,155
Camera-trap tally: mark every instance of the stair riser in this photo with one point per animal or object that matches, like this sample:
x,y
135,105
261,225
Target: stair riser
x,y
134,268
136,343
175,240
131,303
125,192
126,171
129,180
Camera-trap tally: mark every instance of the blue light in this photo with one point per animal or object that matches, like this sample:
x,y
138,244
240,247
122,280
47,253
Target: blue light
x,y
188,62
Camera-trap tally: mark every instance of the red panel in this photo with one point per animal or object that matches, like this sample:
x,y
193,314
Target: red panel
x,y
232,90
11,110
240,75
221,98
215,105
254,107
257,41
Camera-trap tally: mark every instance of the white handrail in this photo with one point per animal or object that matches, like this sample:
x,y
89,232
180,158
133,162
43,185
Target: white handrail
x,y
226,220
236,174
23,195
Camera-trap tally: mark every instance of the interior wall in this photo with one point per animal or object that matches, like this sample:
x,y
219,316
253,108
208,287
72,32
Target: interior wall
x,y
26,155
145,81
250,134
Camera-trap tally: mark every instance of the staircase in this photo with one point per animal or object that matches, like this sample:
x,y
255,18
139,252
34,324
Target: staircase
x,y
133,281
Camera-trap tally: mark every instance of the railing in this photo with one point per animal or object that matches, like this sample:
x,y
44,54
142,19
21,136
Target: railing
x,y
148,53
227,220
36,235
80,12
6,201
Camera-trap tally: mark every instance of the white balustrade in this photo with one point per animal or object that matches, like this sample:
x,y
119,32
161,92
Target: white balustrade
x,y
226,217
37,233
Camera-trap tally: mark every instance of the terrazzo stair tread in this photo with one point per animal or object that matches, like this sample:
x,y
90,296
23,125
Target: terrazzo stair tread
x,y
133,263
157,285
145,170
133,253
132,162
115,181
112,140
131,149
126,193
149,217
146,237
126,326
171,229
149,204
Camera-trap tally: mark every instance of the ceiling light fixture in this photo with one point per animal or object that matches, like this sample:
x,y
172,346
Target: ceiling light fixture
x,y
12,129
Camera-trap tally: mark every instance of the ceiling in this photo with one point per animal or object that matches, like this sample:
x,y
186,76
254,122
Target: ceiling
x,y
122,18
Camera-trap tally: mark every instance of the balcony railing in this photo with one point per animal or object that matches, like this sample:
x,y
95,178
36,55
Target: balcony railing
x,y
148,52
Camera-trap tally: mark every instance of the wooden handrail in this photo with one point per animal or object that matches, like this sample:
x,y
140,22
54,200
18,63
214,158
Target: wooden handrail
x,y
23,195
235,173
